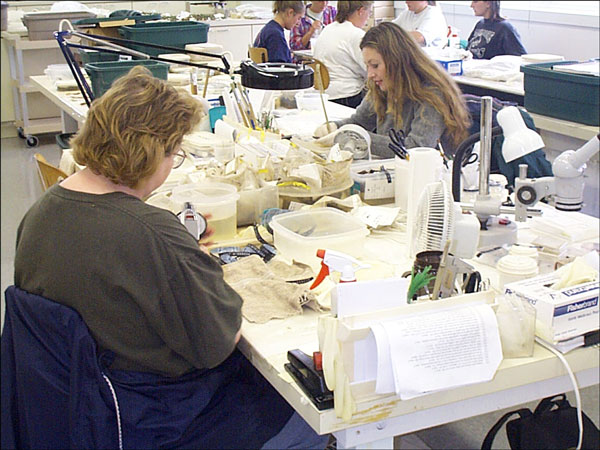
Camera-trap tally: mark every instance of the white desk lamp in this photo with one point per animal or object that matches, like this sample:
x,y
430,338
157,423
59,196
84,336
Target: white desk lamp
x,y
566,184
518,141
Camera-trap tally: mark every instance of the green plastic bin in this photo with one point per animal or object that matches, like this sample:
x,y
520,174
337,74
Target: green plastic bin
x,y
102,74
94,56
566,96
175,34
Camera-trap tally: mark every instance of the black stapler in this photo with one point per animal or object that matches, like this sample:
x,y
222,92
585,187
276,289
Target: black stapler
x,y
302,369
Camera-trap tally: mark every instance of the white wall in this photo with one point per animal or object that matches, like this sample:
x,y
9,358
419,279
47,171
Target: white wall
x,y
574,36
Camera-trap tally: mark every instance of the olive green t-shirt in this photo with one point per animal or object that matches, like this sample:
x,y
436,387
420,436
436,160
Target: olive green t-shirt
x,y
137,277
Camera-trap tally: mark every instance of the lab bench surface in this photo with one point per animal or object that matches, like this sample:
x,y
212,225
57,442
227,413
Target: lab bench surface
x,y
379,418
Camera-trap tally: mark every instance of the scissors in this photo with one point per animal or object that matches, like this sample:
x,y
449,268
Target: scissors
x,y
397,145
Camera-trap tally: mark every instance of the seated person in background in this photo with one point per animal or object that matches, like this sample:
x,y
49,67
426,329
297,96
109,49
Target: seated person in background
x,y
425,22
148,292
272,36
317,15
408,91
338,47
493,35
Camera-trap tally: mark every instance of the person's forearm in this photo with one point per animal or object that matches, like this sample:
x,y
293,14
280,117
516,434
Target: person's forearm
x,y
418,37
307,36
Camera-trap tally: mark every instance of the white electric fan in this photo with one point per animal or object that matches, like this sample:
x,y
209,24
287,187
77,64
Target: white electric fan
x,y
440,219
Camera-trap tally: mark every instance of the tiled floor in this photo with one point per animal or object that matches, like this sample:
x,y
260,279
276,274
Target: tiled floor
x,y
21,186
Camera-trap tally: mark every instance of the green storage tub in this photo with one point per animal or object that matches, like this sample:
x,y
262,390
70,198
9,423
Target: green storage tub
x,y
102,74
567,96
94,56
175,34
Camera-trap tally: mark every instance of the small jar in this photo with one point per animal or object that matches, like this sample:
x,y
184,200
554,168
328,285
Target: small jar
x,y
513,268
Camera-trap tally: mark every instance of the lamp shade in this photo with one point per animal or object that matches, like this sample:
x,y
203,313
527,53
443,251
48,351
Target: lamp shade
x,y
518,139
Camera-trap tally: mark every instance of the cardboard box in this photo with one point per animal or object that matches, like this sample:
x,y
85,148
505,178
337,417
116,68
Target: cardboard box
x,y
384,12
452,66
560,314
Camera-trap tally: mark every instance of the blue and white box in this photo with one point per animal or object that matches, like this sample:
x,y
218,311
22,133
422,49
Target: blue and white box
x,y
560,313
451,65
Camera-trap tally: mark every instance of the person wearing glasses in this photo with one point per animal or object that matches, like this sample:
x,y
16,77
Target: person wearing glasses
x,y
149,295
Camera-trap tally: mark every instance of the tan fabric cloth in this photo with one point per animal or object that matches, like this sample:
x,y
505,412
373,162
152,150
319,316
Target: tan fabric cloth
x,y
264,288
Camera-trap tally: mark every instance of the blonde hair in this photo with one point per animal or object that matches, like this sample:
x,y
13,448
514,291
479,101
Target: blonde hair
x,y
414,76
346,8
283,6
130,129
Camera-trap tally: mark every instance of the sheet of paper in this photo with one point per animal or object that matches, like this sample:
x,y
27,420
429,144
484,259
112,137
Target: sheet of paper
x,y
442,349
377,216
584,68
367,369
384,383
365,296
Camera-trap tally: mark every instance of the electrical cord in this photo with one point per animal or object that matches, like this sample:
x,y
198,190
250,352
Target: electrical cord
x,y
575,388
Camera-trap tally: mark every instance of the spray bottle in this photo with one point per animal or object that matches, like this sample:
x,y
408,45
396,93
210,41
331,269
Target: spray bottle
x,y
337,262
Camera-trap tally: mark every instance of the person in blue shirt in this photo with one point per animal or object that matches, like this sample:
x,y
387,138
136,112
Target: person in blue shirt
x,y
272,37
493,35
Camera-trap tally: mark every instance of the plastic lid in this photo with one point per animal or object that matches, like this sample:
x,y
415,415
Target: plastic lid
x,y
524,250
518,265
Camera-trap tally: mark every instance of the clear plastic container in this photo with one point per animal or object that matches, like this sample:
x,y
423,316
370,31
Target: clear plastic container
x,y
309,100
298,235
217,199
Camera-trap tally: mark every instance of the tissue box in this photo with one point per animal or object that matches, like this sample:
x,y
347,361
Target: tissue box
x,y
563,313
452,66
370,182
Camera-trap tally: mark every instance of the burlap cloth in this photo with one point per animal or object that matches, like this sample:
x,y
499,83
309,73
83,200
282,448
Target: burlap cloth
x,y
265,289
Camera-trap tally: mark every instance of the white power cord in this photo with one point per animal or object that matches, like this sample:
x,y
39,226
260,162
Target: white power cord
x,y
575,388
68,23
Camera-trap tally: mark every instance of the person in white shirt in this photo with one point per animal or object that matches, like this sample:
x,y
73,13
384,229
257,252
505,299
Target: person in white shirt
x,y
425,22
338,48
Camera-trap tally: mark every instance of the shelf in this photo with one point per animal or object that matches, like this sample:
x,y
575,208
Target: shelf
x,y
40,126
25,44
564,127
26,88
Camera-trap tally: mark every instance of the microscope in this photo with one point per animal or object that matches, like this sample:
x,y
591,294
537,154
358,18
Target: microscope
x,y
566,185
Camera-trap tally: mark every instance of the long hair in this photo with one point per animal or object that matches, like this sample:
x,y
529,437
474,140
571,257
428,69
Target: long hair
x,y
131,129
345,9
283,6
414,76
495,9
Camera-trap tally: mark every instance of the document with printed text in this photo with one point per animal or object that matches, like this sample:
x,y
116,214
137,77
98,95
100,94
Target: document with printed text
x,y
437,350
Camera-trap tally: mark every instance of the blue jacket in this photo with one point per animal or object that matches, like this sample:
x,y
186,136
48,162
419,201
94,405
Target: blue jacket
x,y
54,394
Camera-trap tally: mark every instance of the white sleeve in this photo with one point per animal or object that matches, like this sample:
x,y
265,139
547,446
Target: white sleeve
x,y
433,27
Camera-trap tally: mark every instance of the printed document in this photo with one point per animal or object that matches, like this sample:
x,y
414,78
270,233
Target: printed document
x,y
436,350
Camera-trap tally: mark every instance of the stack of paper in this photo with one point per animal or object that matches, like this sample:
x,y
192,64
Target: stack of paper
x,y
584,68
436,350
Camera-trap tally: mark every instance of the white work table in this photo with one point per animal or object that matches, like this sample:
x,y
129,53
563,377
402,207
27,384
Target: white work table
x,y
71,103
379,418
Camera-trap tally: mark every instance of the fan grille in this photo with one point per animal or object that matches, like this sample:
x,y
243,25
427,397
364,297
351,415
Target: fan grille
x,y
434,223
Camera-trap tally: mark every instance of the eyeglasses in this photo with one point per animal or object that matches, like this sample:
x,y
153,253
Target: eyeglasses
x,y
178,159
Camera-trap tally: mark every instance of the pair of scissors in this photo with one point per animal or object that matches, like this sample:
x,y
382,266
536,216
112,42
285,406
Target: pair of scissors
x,y
397,145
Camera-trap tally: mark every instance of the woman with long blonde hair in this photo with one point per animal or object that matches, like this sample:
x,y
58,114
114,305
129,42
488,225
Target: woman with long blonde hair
x,y
407,91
